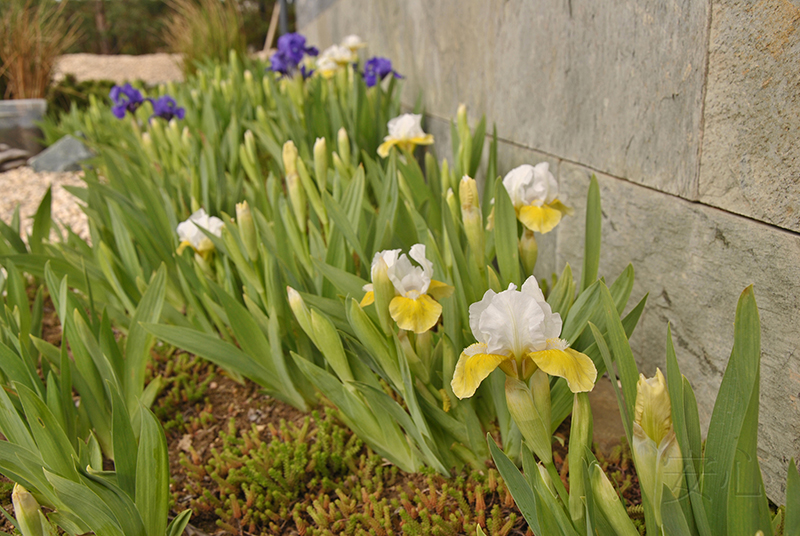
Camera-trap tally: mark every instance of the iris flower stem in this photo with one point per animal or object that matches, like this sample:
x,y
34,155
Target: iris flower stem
x,y
557,482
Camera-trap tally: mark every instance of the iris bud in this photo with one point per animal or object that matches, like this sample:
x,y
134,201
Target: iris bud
x,y
472,217
300,310
297,195
445,176
290,158
344,146
580,439
535,429
528,251
330,344
605,497
655,447
247,229
261,115
461,121
452,203
186,137
547,480
383,289
321,162
26,510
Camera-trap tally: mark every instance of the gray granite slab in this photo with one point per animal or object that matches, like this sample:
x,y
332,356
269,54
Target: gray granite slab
x,y
751,145
695,260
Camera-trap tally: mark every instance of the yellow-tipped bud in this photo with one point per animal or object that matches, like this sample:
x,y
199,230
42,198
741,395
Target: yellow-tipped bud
x,y
247,229
528,251
461,118
452,203
250,144
655,448
297,196
344,146
472,217
248,76
321,162
535,429
653,411
26,510
445,176
290,158
605,497
147,141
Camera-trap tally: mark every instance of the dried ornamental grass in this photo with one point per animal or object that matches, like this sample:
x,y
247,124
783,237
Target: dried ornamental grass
x,y
32,38
208,29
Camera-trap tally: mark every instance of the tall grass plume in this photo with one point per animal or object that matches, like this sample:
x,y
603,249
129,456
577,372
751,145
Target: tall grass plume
x,y
31,39
204,30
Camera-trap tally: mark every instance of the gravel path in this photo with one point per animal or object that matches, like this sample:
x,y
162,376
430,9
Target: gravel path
x,y
24,187
151,68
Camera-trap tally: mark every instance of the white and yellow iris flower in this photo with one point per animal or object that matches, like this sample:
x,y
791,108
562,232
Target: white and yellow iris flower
x,y
333,58
353,43
517,331
406,132
190,234
414,306
534,192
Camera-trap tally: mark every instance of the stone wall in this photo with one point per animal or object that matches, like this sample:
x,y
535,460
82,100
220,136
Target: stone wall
x,y
688,112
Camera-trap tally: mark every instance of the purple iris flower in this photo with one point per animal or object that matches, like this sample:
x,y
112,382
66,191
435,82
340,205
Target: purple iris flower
x,y
166,108
291,49
293,46
376,69
126,99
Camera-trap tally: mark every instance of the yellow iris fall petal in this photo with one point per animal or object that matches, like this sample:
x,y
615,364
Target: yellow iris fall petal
x,y
417,315
406,132
539,219
438,290
471,370
575,367
368,299
408,144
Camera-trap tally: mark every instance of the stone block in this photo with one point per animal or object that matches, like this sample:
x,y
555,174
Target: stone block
x,y
64,155
751,142
615,85
694,261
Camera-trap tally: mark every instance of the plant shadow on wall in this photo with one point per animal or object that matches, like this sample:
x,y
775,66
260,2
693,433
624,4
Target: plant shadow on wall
x,y
285,226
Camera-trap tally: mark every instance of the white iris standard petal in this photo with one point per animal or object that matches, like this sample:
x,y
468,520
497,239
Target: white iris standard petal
x,y
389,256
531,185
511,323
189,230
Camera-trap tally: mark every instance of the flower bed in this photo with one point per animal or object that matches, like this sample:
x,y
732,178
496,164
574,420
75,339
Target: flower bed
x,y
282,227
